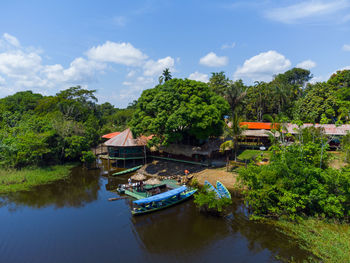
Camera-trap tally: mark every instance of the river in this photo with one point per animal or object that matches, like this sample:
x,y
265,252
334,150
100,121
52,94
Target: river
x,y
72,221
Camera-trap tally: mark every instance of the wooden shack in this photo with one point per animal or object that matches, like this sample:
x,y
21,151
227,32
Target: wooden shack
x,y
124,147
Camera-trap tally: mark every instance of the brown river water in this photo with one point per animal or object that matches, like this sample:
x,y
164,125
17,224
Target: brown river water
x,y
72,221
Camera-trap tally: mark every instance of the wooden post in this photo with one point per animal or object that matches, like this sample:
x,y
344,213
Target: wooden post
x,y
144,151
109,164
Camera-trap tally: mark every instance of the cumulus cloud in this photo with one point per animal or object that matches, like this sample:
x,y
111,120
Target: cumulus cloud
x,y
346,47
212,60
263,66
152,68
228,45
80,70
120,53
17,63
199,76
11,40
314,9
307,64
24,68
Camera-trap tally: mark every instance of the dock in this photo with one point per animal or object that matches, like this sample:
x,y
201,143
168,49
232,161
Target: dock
x,y
140,195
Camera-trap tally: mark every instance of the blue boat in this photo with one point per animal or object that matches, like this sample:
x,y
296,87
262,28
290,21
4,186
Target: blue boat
x,y
161,201
222,190
212,188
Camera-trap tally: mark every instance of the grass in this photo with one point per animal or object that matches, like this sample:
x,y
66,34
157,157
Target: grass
x,y
251,154
337,160
330,242
22,180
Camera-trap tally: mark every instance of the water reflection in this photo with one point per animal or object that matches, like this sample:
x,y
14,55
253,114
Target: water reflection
x,y
80,188
176,234
183,230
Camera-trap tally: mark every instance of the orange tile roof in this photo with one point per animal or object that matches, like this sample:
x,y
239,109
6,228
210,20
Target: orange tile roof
x,y
257,125
110,135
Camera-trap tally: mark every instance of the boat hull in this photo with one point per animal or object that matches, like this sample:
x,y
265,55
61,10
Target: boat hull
x,y
168,203
128,170
222,190
212,188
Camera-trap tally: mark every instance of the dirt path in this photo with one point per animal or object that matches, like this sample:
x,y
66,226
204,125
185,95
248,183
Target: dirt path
x,y
213,175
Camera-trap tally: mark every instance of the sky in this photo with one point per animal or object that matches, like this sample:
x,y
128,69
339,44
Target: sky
x,y
120,48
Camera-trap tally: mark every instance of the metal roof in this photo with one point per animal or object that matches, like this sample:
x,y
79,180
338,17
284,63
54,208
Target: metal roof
x,y
110,135
126,139
162,196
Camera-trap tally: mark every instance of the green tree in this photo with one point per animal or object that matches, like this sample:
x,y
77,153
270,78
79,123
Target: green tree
x,y
179,108
219,83
166,75
233,133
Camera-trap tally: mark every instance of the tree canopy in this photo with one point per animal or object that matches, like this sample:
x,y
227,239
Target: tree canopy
x,y
177,109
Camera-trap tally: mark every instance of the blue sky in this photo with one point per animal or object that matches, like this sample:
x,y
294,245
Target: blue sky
x,y
120,48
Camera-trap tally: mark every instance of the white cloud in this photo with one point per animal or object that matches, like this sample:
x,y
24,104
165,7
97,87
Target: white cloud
x,y
199,76
346,47
23,68
131,73
19,63
228,45
212,60
11,40
80,71
120,53
152,67
263,66
314,9
307,64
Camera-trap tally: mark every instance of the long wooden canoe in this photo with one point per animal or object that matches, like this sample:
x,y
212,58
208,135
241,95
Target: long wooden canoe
x,y
161,204
130,170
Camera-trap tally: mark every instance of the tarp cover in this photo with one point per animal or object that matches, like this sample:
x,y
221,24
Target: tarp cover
x,y
162,196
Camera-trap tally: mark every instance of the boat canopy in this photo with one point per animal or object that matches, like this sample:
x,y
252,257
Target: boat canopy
x,y
162,196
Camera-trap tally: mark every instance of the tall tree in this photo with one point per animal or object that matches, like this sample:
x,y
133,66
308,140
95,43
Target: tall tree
x,y
179,108
219,82
233,132
234,94
166,75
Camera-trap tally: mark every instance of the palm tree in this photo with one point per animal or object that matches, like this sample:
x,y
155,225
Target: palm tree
x,y
233,132
234,94
166,75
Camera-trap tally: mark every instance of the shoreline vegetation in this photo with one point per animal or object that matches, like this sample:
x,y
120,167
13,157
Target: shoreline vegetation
x,y
328,241
12,180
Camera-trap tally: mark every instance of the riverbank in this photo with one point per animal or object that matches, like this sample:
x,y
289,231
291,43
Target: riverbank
x,y
229,179
22,180
330,242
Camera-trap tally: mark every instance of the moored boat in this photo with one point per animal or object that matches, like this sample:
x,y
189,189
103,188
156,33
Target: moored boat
x,y
212,188
130,170
161,201
222,190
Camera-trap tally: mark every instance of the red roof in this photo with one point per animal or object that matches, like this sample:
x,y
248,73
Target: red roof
x,y
257,125
110,135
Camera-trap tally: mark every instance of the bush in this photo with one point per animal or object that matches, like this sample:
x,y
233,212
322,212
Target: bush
x,y
207,201
293,186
